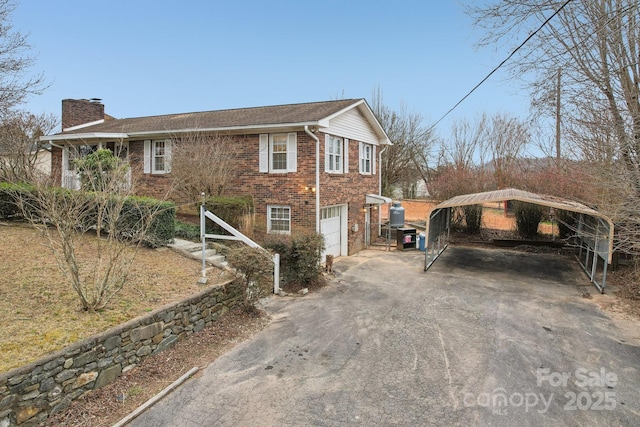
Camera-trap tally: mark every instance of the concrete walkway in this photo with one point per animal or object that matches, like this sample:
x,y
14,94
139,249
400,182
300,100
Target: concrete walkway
x,y
486,337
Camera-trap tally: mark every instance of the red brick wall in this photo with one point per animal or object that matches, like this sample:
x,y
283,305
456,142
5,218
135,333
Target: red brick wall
x,y
146,184
349,188
278,188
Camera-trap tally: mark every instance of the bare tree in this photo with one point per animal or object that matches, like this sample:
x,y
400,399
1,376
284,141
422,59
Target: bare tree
x,y
506,140
15,83
597,45
21,152
468,143
461,163
203,163
407,160
112,225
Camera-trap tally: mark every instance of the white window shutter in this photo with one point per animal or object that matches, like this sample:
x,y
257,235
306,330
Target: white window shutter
x,y
373,159
326,152
167,156
264,153
360,157
292,152
147,156
346,155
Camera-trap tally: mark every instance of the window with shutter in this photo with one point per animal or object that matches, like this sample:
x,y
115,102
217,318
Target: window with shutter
x,y
366,153
333,154
157,156
278,153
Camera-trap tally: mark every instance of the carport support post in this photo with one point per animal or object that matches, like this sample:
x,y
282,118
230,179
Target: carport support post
x,y
276,273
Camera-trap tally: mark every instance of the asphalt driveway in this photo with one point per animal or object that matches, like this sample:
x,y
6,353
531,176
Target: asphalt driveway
x,y
486,337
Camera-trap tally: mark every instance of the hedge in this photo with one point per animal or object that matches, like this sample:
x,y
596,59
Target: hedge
x,y
230,209
9,193
300,257
134,212
528,217
130,224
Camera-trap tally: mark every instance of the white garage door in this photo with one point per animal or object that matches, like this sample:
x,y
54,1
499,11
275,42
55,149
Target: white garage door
x,y
330,226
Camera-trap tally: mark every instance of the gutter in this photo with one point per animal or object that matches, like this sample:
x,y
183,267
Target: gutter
x,y
56,145
83,136
165,132
308,132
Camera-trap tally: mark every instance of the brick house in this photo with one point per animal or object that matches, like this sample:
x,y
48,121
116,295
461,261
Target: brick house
x,y
311,166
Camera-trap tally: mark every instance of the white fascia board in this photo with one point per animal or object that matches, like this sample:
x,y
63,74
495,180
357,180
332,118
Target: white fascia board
x,y
84,125
84,136
252,128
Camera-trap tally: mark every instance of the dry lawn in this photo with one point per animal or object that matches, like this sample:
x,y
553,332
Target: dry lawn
x,y
39,311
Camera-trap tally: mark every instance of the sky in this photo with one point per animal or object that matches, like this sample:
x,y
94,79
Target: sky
x,y
144,57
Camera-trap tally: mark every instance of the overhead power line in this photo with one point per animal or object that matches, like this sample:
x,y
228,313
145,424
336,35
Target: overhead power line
x,y
501,64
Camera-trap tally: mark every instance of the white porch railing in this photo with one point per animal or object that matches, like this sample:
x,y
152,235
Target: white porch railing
x,y
71,180
235,235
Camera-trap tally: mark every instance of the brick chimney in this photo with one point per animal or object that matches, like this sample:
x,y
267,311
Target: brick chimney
x,y
81,111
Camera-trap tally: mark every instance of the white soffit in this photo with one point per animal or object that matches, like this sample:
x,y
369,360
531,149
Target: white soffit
x,y
374,199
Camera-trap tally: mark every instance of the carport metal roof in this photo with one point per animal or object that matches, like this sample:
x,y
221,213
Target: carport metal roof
x,y
440,218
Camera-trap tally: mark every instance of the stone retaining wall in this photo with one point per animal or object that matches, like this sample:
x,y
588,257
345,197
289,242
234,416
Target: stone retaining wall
x,y
30,394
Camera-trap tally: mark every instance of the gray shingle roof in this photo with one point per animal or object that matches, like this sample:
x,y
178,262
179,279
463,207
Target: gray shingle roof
x,y
240,117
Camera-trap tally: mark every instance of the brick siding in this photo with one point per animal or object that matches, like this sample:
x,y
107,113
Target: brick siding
x,y
286,189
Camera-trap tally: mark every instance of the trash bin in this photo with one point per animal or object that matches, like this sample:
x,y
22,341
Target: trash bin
x,y
421,238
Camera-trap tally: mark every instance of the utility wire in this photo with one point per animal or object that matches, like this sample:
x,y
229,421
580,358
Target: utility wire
x,y
501,64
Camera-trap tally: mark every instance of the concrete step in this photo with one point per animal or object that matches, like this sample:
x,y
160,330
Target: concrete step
x,y
194,250
208,253
185,245
219,261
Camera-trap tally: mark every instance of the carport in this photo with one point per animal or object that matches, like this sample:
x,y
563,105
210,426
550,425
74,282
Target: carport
x,y
592,234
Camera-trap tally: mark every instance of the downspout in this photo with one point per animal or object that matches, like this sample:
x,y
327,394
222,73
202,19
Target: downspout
x,y
380,174
380,193
308,132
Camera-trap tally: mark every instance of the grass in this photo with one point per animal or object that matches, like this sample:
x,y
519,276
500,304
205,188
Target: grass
x,y
40,313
